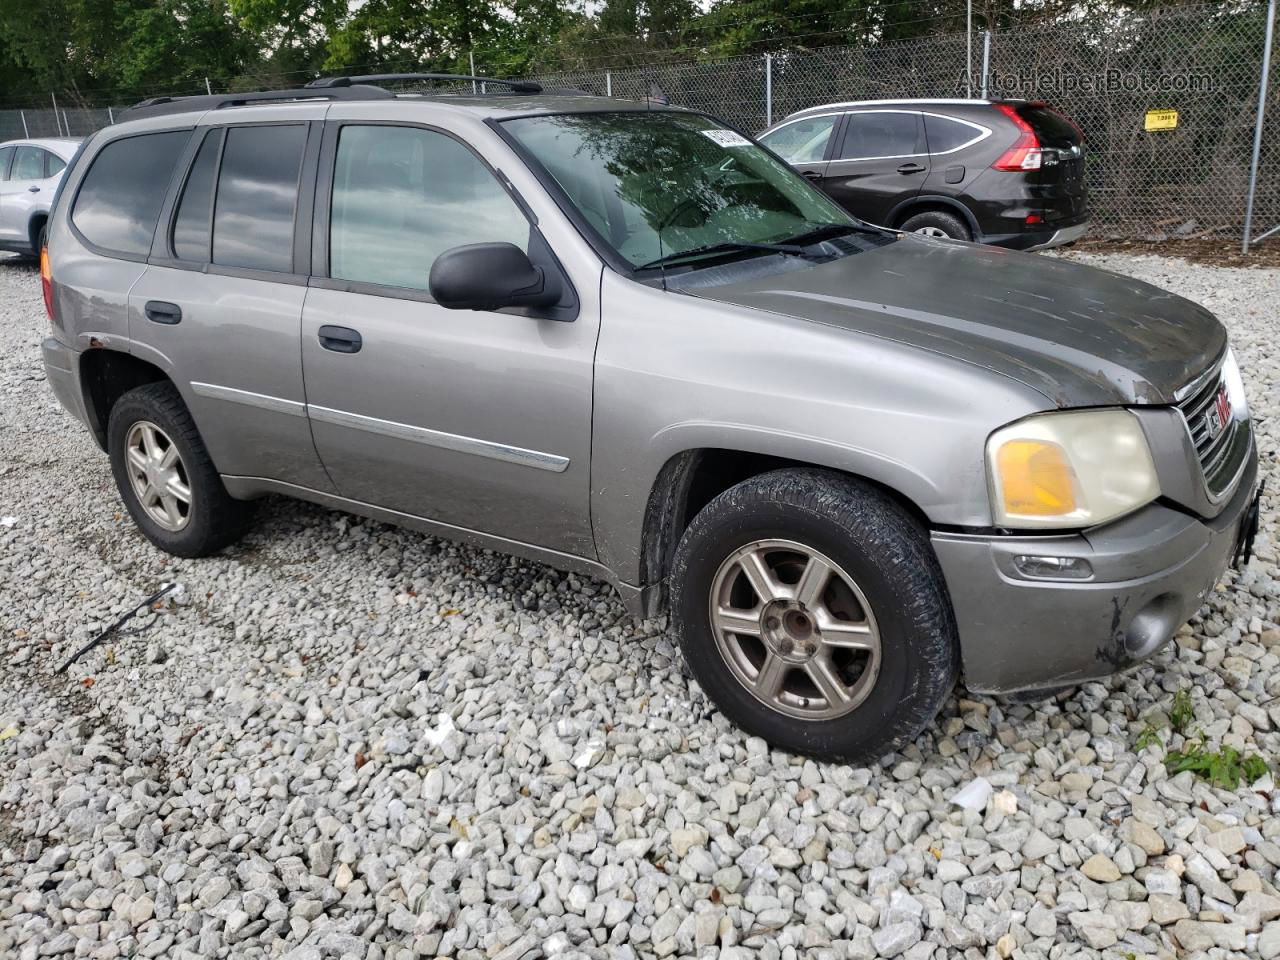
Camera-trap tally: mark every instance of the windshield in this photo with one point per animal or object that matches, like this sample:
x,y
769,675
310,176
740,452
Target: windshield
x,y
658,184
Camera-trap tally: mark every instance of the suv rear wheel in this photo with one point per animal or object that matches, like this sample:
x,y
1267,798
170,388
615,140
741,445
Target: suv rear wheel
x,y
936,223
812,610
165,476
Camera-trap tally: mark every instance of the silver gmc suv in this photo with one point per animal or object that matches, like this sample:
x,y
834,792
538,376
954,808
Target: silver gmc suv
x,y
626,340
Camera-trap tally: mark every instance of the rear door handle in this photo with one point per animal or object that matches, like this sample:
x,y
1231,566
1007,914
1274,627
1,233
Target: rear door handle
x,y
813,175
160,311
33,189
911,168
340,339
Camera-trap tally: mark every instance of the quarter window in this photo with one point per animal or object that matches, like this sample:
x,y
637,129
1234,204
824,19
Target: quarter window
x,y
6,155
53,164
801,141
402,196
28,164
257,197
880,133
946,135
120,197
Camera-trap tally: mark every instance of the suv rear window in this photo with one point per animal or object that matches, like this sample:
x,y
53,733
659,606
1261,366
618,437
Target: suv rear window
x,y
257,195
1050,126
880,133
120,197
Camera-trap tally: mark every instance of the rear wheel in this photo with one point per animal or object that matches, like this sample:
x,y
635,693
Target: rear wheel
x,y
812,610
936,223
165,476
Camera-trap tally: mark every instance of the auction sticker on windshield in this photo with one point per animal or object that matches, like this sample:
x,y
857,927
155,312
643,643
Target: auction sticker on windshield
x,y
727,138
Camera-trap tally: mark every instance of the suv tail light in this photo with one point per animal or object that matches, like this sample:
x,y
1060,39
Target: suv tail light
x,y
46,281
1025,154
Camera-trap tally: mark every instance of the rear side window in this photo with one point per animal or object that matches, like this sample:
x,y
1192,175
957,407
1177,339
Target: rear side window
x,y
53,164
6,155
28,164
881,133
193,224
120,197
946,135
257,197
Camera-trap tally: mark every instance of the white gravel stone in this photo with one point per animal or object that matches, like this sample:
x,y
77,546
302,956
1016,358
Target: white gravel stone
x,y
345,740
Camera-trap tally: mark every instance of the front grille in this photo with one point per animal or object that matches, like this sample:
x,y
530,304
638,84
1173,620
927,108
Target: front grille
x,y
1219,453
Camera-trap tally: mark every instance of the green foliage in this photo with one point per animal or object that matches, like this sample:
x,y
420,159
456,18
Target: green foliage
x,y
1224,767
1182,712
1149,736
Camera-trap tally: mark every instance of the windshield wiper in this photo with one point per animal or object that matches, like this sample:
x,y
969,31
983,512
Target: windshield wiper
x,y
731,246
827,231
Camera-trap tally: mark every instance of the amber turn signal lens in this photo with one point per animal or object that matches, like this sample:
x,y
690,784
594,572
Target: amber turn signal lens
x,y
1035,479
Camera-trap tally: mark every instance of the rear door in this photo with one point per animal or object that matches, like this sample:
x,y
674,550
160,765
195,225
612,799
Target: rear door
x,y
880,161
221,301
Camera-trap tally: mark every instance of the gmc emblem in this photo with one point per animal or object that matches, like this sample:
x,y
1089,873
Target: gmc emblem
x,y
1218,416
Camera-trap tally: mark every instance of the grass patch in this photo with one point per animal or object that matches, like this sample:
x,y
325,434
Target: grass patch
x,y
1182,713
1225,767
1148,736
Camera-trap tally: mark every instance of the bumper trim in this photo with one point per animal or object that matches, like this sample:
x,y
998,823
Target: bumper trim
x,y
1064,236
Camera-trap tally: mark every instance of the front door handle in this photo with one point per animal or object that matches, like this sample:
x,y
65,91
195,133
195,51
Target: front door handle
x,y
911,168
340,339
160,311
33,189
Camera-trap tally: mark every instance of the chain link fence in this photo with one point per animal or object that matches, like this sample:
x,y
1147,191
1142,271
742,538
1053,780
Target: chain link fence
x,y
1104,72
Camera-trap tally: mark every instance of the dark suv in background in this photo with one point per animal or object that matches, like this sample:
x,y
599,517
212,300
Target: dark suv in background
x,y
1007,172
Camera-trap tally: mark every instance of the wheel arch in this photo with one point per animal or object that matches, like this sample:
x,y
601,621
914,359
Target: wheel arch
x,y
105,376
692,478
924,202
35,224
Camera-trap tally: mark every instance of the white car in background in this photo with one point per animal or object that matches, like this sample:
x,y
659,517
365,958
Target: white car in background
x,y
29,174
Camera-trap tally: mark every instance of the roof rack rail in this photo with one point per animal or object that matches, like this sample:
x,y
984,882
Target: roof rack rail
x,y
329,83
159,106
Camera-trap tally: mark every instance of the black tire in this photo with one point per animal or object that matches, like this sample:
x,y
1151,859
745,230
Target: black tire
x,y
215,520
886,552
948,223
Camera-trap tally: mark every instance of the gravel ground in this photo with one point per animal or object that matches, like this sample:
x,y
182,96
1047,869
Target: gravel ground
x,y
343,740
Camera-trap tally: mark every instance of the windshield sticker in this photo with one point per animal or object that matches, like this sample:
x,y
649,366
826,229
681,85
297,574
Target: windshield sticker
x,y
727,138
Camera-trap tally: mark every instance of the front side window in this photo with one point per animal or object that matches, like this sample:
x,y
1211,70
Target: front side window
x,y
661,183
801,141
257,195
120,197
28,164
880,133
402,196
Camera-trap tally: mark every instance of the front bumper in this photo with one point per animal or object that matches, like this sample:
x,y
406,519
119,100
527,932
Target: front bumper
x,y
1151,571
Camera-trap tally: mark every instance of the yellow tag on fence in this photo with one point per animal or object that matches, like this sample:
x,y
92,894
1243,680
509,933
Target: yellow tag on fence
x,y
1161,120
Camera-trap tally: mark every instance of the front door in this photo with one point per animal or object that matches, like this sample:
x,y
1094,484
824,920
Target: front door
x,y
477,419
881,160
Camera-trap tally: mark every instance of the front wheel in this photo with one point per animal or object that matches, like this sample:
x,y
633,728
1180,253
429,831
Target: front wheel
x,y
811,609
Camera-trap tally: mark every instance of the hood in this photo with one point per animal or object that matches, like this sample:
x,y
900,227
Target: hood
x,y
1080,335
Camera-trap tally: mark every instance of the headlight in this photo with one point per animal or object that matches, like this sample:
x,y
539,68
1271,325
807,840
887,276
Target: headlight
x,y
1234,383
1069,469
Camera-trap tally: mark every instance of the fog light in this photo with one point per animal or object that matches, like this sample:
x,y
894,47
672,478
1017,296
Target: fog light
x,y
1053,568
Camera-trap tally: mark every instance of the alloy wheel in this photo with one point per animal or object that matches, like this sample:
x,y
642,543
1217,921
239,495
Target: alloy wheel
x,y
158,476
932,232
795,629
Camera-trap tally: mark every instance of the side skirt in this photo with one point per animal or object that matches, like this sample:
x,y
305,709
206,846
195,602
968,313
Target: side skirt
x,y
636,599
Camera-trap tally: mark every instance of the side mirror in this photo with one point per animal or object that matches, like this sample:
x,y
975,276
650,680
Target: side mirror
x,y
486,276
